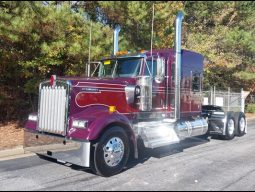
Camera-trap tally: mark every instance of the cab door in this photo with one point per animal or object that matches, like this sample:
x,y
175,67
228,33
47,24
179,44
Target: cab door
x,y
155,67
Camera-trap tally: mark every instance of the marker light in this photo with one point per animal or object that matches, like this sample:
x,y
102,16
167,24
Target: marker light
x,y
53,80
112,109
107,62
142,51
122,53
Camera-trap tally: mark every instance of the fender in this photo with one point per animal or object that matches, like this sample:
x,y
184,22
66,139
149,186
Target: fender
x,y
98,117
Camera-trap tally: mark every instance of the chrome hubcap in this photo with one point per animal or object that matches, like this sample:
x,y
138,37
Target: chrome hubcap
x,y
113,151
242,124
231,126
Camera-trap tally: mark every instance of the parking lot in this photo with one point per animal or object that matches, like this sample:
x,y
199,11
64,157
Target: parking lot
x,y
195,164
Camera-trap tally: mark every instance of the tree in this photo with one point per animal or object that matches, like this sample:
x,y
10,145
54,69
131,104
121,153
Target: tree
x,y
39,40
224,33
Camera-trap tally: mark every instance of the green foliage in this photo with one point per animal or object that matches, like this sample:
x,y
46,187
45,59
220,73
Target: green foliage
x,y
250,108
38,39
224,33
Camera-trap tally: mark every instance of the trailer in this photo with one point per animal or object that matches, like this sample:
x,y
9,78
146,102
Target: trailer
x,y
154,96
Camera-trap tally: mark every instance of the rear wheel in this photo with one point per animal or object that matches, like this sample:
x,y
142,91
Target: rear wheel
x,y
230,128
111,152
241,125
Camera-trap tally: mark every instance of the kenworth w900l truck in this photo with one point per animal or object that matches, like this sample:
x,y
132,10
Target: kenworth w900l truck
x,y
154,96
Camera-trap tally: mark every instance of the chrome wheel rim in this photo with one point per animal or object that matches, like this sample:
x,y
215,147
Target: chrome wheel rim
x,y
231,126
113,151
242,124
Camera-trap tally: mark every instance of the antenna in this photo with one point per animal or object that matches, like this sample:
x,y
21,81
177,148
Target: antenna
x,y
88,71
152,23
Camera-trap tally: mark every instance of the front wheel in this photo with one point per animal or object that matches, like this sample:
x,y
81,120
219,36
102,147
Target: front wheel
x,y
111,152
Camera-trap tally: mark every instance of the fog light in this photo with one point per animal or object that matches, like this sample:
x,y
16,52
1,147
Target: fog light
x,y
32,117
80,124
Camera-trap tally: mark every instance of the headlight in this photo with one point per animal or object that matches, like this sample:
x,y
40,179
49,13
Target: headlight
x,y
80,124
32,117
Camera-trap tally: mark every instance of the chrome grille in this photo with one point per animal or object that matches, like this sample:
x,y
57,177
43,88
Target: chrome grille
x,y
53,109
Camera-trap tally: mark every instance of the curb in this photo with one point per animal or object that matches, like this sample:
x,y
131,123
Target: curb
x,y
10,152
17,152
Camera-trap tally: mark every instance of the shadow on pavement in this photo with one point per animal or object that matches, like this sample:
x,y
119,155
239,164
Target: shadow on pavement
x,y
145,153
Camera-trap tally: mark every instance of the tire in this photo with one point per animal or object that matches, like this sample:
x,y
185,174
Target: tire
x,y
110,154
230,128
241,125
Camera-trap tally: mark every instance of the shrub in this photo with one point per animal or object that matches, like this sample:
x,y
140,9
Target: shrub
x,y
250,108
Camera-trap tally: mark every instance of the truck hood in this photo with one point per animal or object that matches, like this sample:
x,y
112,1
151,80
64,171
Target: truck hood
x,y
88,92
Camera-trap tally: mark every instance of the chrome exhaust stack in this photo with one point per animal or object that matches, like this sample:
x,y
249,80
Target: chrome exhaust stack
x,y
116,40
190,128
178,43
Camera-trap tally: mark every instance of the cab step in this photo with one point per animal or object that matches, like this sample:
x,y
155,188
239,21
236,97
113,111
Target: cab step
x,y
158,134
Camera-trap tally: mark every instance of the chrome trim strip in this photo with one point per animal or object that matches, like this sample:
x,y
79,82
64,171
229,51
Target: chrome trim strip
x,y
98,83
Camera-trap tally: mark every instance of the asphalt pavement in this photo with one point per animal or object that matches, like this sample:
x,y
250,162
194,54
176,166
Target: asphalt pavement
x,y
195,164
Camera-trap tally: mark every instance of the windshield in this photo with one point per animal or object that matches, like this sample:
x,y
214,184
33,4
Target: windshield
x,y
128,67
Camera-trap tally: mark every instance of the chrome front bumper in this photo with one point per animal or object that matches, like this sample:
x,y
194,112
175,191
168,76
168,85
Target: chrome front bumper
x,y
65,151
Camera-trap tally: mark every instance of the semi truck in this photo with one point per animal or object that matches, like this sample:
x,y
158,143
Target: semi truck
x,y
154,97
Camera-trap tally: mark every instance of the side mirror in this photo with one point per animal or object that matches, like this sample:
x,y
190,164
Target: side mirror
x,y
160,70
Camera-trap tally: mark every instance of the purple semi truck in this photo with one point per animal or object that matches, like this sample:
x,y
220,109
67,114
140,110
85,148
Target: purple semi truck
x,y
153,96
